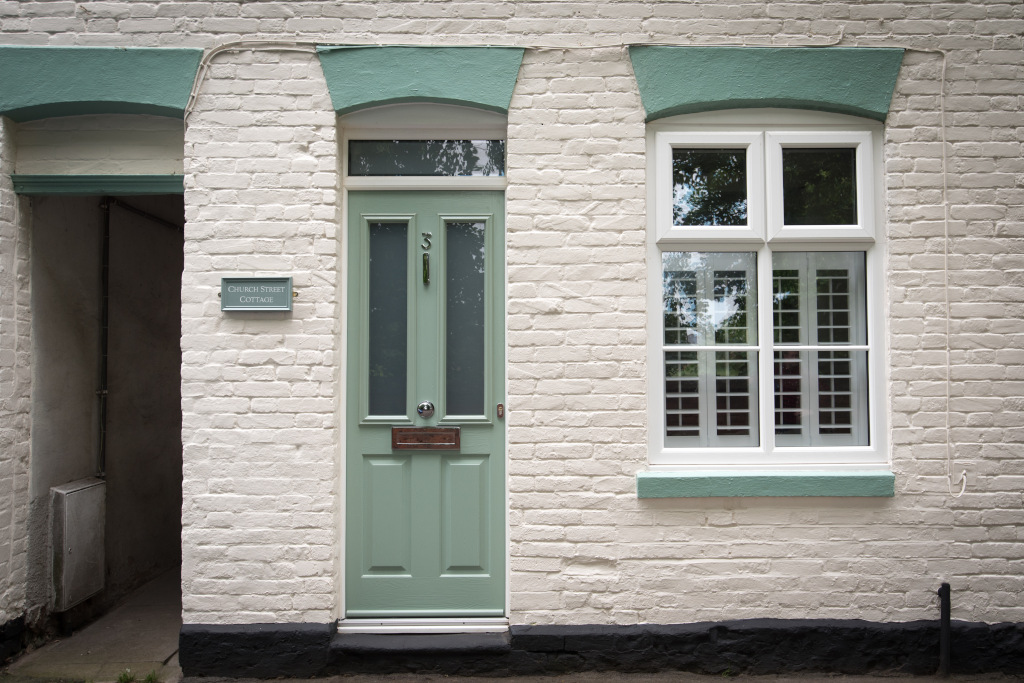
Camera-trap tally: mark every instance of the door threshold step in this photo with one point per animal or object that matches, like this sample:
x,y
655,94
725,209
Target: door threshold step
x,y
409,626
362,644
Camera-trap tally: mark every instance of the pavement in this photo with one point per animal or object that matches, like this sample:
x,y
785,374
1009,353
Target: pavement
x,y
595,677
140,636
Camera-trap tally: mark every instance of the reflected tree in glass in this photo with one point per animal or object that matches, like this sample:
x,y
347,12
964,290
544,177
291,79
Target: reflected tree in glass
x,y
426,157
819,186
709,297
709,187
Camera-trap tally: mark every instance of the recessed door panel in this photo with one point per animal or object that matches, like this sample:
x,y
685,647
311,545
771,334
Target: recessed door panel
x,y
464,501
387,484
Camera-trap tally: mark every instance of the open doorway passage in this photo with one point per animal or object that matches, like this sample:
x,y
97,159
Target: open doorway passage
x,y
106,405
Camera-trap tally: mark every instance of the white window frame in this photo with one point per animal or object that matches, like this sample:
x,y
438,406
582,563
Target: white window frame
x,y
764,133
420,122
861,231
752,143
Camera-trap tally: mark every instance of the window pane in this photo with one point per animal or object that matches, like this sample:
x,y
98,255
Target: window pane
x,y
819,299
838,305
821,398
709,298
464,355
682,394
819,186
387,320
786,301
711,398
735,389
679,294
709,187
426,157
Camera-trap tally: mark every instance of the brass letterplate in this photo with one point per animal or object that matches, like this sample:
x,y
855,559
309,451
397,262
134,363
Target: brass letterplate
x,y
426,438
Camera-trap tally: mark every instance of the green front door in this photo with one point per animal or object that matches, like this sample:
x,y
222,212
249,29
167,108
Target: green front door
x,y
425,465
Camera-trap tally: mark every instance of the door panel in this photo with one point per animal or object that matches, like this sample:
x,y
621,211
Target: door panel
x,y
464,502
388,483
425,528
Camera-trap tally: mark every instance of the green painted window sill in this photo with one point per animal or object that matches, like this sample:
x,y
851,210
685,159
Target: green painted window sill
x,y
721,483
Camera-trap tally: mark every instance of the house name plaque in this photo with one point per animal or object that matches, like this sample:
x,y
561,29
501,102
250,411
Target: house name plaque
x,y
256,294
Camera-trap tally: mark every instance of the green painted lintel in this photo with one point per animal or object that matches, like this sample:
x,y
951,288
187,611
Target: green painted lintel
x,y
41,82
98,184
360,76
844,80
719,483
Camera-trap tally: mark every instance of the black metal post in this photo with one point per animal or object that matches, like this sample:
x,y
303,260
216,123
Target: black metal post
x,y
944,629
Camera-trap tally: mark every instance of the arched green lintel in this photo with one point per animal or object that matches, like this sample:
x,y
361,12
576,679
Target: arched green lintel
x,y
40,82
843,80
360,76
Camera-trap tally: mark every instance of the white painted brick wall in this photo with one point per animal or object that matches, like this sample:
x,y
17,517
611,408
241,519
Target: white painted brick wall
x,y
260,425
259,391
100,145
15,364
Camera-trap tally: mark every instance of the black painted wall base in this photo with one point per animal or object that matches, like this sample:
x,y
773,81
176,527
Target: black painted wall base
x,y
756,646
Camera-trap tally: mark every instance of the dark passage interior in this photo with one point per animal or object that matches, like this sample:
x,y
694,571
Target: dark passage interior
x,y
133,442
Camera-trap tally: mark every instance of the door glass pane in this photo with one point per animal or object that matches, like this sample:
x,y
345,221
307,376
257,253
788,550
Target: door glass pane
x,y
709,187
819,186
388,324
426,157
464,267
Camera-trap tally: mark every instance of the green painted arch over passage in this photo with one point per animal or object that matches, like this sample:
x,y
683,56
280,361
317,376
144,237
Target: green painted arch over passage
x,y
843,80
360,76
97,184
42,82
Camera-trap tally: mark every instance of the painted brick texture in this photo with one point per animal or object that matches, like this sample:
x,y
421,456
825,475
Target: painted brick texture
x,y
15,381
259,391
260,394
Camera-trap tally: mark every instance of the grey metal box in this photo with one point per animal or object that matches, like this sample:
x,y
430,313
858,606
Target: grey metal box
x,y
78,517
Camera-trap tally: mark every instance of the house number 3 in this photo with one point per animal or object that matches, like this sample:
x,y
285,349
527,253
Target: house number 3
x,y
426,256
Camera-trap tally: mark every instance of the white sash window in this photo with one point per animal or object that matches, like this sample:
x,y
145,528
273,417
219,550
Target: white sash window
x,y
767,274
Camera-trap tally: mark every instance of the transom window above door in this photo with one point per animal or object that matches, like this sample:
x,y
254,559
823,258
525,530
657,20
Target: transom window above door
x,y
424,146
426,157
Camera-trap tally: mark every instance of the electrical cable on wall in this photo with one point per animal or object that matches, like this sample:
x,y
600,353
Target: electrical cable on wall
x,y
823,42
